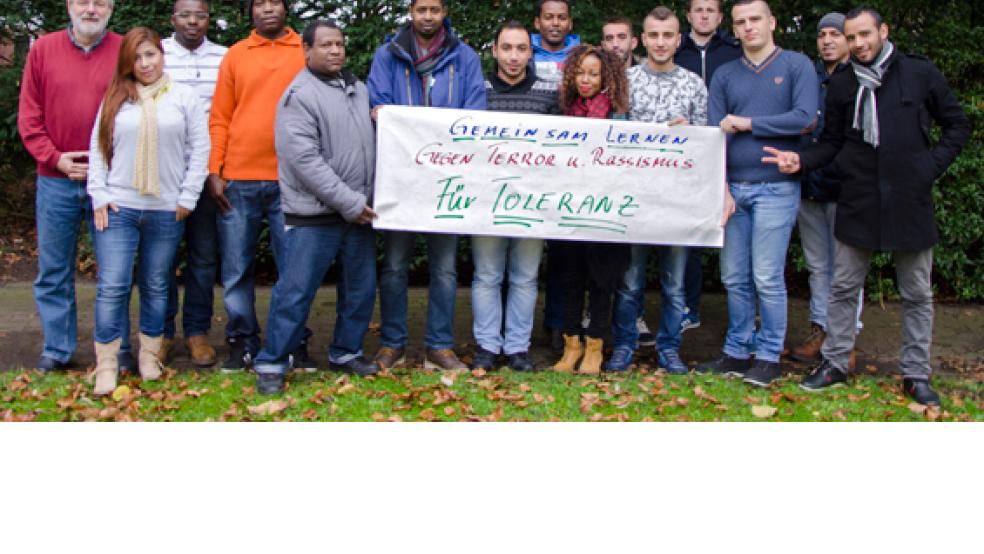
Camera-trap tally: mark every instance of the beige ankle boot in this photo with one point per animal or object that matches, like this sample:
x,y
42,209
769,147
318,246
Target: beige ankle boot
x,y
107,367
148,360
573,349
593,356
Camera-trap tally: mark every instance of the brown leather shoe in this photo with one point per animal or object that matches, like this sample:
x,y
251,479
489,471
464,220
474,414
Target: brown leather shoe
x,y
809,350
388,358
167,345
202,353
443,359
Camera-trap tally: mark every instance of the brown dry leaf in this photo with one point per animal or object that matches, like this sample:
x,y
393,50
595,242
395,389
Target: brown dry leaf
x,y
427,414
478,373
248,391
932,413
523,387
538,397
918,408
764,411
395,418
310,414
196,393
449,411
347,387
225,384
596,417
957,401
333,410
378,417
447,379
17,385
681,401
270,407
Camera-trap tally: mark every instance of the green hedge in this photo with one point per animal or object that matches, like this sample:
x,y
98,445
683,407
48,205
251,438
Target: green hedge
x,y
950,32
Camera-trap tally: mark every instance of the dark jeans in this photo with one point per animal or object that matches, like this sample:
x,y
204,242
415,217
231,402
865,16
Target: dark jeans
x,y
201,238
693,281
149,237
310,253
239,232
597,268
553,302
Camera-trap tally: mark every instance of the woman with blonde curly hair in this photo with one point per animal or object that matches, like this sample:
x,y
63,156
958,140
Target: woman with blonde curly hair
x,y
593,85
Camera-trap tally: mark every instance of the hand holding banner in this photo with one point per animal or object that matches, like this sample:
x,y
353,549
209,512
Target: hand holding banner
x,y
497,173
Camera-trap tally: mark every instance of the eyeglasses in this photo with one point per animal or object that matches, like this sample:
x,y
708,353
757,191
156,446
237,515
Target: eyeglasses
x,y
189,15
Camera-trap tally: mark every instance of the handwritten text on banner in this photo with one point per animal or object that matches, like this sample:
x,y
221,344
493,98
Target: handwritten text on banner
x,y
496,173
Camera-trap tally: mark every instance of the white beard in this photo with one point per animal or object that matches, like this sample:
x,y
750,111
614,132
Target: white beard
x,y
88,28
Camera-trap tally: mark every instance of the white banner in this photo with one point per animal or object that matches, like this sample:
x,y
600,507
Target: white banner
x,y
497,173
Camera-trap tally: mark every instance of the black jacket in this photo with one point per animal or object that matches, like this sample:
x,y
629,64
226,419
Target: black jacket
x,y
822,185
721,49
886,201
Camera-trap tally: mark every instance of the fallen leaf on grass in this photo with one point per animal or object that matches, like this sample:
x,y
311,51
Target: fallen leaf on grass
x,y
918,408
225,384
310,414
427,414
478,372
447,379
270,407
347,387
120,392
764,411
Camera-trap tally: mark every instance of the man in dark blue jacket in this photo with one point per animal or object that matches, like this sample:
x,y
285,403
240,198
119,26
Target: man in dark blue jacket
x,y
425,64
820,189
704,49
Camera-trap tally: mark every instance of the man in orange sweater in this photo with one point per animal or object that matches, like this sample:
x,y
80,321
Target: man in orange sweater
x,y
243,167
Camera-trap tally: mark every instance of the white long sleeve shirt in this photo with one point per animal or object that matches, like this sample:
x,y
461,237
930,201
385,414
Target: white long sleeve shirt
x,y
182,159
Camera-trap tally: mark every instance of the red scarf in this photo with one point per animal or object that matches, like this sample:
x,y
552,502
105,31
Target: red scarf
x,y
598,107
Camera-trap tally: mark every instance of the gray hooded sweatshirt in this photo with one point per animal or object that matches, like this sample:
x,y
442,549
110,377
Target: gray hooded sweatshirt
x,y
326,149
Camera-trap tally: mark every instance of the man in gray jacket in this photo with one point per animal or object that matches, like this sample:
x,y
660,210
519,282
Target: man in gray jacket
x,y
326,158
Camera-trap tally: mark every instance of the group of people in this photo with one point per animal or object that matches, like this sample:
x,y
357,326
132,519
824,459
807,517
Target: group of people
x,y
157,141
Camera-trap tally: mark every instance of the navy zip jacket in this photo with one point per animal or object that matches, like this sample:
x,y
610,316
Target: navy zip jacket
x,y
822,185
456,82
721,49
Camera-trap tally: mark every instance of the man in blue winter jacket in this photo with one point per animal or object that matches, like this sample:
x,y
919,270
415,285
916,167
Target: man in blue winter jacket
x,y
553,39
425,64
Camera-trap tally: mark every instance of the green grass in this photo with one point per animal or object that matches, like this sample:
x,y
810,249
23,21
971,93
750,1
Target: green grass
x,y
496,396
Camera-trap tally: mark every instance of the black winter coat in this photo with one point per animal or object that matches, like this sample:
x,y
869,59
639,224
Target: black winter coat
x,y
721,49
885,200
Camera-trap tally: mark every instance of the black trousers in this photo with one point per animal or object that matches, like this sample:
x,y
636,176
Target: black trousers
x,y
593,267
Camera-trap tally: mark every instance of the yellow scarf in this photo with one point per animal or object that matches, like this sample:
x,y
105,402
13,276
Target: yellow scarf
x,y
146,178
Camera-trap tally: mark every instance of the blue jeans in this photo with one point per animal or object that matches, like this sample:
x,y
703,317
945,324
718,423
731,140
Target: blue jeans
x,y
489,255
752,263
61,205
693,282
149,237
239,232
310,253
201,238
441,252
631,295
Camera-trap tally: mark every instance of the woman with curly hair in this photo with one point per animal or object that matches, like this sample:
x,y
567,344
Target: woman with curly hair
x,y
593,85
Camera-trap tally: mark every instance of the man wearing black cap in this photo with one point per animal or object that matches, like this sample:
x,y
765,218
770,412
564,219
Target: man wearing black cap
x,y
819,202
878,118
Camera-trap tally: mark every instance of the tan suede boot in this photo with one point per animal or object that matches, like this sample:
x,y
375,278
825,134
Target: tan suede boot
x,y
148,360
202,353
166,346
593,356
107,367
573,350
809,350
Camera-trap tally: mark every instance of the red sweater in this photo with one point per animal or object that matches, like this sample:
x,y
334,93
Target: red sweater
x,y
60,95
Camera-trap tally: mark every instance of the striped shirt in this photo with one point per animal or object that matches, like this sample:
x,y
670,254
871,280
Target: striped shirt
x,y
198,68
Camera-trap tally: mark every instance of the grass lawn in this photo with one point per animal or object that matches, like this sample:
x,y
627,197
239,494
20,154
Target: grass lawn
x,y
497,396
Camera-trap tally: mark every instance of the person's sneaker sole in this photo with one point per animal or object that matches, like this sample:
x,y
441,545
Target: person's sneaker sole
x,y
757,383
821,389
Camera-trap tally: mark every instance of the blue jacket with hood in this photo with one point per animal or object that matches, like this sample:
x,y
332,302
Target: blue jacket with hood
x,y
550,65
456,82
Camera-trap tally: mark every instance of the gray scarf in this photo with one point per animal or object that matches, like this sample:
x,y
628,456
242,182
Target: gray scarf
x,y
865,105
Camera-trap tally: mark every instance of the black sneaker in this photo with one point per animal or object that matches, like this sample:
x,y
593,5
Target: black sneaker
x,y
520,361
483,359
726,365
824,376
762,373
300,359
269,383
921,391
239,357
360,365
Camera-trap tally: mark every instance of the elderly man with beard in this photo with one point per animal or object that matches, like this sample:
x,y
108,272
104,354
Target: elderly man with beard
x,y
65,77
